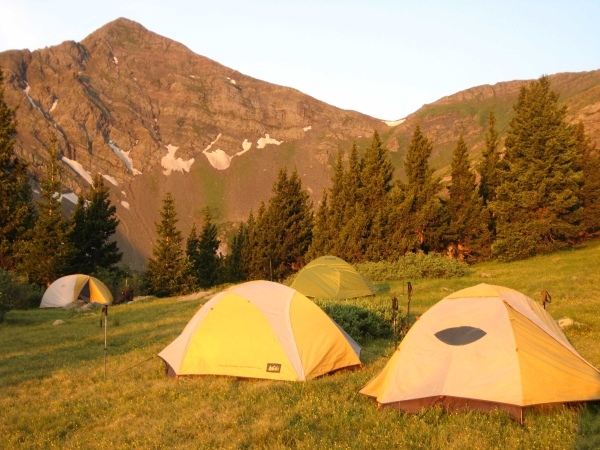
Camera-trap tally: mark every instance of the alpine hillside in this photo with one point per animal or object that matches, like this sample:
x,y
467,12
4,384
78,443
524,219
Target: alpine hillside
x,y
151,116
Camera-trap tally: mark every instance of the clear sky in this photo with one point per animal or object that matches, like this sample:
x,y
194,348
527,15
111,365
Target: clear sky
x,y
382,58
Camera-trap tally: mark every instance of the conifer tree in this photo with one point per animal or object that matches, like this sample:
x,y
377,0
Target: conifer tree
x,y
290,223
235,270
93,224
467,234
193,253
415,217
208,260
47,250
588,162
167,273
376,177
322,241
537,207
16,209
490,161
258,251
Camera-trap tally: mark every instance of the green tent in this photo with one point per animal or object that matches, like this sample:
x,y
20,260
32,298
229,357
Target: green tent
x,y
331,277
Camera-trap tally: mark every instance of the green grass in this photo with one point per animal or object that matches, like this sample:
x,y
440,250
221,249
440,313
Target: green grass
x,y
53,394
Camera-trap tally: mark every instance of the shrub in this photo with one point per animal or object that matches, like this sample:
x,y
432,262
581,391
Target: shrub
x,y
360,323
16,293
413,266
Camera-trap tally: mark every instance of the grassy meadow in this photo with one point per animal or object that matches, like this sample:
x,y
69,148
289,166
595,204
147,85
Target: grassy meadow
x,y
52,392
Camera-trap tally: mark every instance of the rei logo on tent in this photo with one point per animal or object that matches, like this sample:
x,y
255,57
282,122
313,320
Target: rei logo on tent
x,y
460,335
274,368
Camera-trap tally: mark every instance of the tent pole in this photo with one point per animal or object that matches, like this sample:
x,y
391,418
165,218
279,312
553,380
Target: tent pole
x,y
105,313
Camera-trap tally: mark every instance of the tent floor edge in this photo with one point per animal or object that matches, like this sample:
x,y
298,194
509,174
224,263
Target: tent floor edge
x,y
456,404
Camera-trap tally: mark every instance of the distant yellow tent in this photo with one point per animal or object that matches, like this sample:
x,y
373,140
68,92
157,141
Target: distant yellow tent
x,y
482,348
71,288
331,277
260,329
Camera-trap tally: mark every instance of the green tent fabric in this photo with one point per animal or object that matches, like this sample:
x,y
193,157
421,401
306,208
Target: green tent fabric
x,y
331,277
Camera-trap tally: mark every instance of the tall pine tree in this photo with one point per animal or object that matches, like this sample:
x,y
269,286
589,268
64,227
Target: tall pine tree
x,y
47,250
467,234
415,220
94,223
537,207
490,160
16,209
167,272
208,260
193,253
376,182
322,242
235,270
588,162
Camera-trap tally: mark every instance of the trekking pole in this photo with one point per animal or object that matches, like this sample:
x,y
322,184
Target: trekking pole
x,y
409,292
394,313
105,314
546,298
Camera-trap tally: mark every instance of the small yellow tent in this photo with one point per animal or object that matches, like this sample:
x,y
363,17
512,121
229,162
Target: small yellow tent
x,y
482,348
260,329
331,277
71,288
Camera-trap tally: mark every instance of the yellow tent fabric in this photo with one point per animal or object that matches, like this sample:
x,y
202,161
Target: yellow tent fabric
x,y
482,348
68,289
332,277
260,329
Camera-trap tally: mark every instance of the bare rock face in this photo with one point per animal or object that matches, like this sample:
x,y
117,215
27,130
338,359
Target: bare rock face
x,y
151,116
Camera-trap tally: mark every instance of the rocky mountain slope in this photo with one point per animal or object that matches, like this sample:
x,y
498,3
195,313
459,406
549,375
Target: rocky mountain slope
x,y
152,116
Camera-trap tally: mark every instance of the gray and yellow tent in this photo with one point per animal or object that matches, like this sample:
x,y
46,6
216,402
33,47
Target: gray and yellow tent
x,y
483,348
332,277
71,288
260,329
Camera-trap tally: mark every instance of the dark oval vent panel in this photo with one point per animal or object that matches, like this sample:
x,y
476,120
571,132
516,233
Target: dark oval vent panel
x,y
460,335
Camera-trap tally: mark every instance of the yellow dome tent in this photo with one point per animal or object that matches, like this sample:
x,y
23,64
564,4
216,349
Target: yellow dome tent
x,y
332,277
260,329
482,348
71,288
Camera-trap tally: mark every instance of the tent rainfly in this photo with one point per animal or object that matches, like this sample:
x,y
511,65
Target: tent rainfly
x,y
264,330
332,277
71,288
482,348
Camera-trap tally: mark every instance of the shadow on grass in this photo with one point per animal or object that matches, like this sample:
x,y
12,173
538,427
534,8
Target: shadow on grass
x,y
588,427
382,288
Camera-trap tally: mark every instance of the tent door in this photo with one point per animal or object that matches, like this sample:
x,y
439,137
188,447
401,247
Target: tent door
x,y
84,294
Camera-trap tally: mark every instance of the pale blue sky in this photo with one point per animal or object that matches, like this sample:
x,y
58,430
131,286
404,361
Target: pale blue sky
x,y
382,58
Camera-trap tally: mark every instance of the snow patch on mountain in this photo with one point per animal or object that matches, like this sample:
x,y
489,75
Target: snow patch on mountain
x,y
192,76
246,145
53,105
111,180
77,167
263,141
170,163
124,193
124,156
232,81
71,196
394,123
125,204
115,60
219,159
307,128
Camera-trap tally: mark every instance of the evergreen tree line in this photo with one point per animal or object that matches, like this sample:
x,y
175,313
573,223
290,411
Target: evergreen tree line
x,y
538,194
36,241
